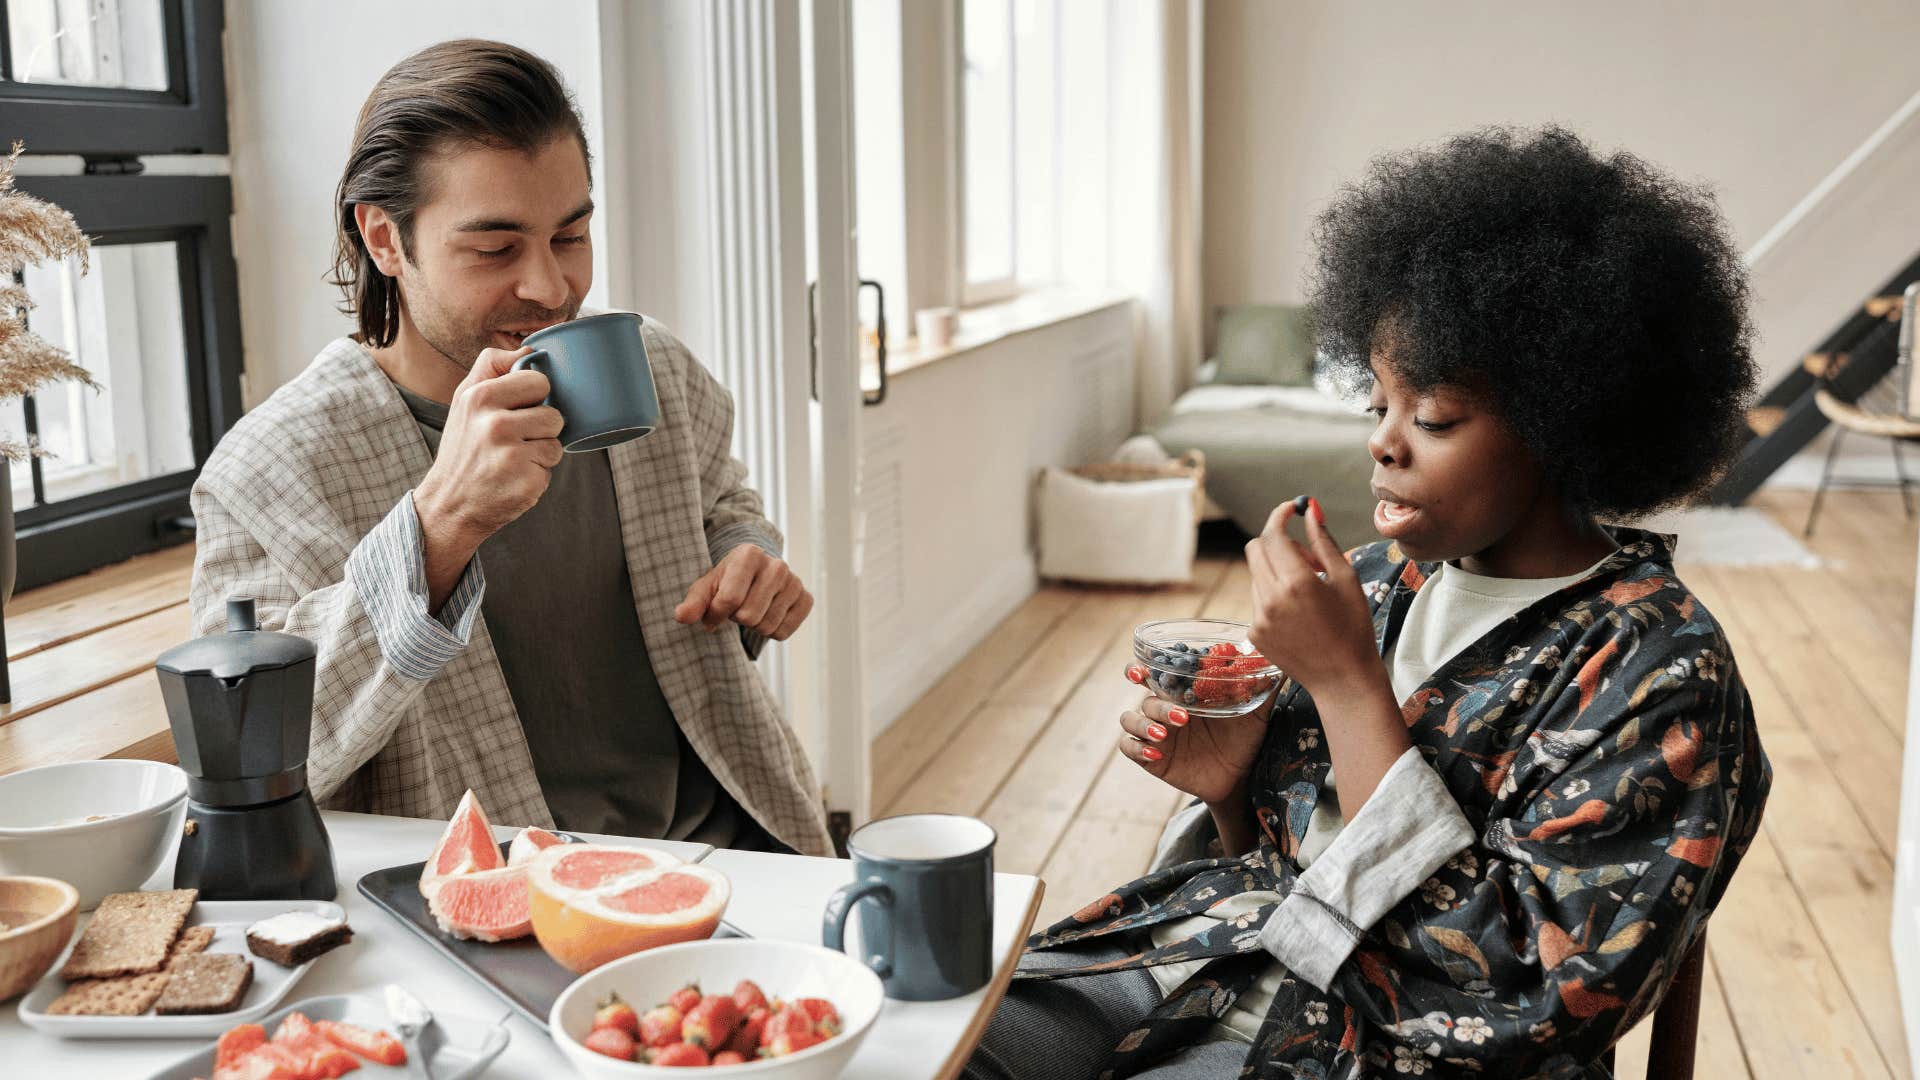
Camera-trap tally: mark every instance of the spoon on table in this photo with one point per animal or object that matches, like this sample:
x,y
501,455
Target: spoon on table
x,y
412,1018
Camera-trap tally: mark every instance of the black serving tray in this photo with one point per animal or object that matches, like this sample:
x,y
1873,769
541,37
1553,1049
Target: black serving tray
x,y
519,971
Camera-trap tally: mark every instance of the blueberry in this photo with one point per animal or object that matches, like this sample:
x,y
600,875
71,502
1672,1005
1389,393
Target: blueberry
x,y
1188,697
1179,646
1300,504
1159,657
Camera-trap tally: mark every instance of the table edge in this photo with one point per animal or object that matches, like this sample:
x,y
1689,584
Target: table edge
x,y
996,990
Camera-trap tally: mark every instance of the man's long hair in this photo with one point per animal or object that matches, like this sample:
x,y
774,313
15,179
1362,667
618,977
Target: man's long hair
x,y
476,92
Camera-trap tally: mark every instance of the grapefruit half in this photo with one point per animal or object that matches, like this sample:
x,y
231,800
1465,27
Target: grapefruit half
x,y
586,913
490,905
467,846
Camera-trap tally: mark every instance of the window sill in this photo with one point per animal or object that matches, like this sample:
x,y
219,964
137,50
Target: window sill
x,y
990,324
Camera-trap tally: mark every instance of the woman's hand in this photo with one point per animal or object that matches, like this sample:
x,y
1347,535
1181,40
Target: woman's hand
x,y
1209,760
1310,618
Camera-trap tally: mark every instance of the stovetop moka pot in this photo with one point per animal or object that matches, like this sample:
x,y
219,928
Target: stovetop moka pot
x,y
240,704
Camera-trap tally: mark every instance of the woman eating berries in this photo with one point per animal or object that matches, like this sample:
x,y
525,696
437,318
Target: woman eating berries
x,y
1513,765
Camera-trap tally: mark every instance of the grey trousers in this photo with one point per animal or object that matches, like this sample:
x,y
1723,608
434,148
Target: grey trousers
x,y
1064,1029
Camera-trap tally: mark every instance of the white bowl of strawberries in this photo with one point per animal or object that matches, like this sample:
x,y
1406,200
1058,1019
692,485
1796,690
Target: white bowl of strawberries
x,y
738,1007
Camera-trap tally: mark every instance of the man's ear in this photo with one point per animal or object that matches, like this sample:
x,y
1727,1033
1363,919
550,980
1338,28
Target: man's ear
x,y
382,236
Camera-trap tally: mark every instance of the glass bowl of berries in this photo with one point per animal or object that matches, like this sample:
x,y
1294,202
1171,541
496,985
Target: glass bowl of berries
x,y
1205,666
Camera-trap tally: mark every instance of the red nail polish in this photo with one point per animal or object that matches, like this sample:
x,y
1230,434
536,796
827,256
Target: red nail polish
x,y
1151,753
1313,507
1177,716
1136,674
1156,732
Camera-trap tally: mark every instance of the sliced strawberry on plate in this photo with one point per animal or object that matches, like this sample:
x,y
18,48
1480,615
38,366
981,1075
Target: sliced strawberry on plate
x,y
373,1045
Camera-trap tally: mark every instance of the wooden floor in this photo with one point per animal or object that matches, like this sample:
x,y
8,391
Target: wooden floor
x,y
1800,978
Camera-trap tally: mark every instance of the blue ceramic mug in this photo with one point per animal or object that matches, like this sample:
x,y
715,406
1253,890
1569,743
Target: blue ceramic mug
x,y
601,380
924,887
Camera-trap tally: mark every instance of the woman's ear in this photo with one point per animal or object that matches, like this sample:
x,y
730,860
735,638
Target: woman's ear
x,y
381,235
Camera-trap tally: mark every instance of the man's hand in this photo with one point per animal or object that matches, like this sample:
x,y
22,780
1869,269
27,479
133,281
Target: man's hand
x,y
752,588
496,456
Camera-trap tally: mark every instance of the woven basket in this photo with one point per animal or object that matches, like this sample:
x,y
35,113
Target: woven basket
x,y
1192,463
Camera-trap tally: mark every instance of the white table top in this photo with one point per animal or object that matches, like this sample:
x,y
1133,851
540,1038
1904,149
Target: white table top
x,y
774,896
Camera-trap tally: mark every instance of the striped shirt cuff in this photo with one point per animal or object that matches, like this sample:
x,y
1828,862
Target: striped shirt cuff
x,y
728,537
1408,829
388,569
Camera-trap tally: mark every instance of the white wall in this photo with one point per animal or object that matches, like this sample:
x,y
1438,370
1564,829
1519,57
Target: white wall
x,y
297,74
1758,98
947,471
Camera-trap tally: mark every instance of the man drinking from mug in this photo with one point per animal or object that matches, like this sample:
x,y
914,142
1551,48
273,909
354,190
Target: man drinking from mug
x,y
490,612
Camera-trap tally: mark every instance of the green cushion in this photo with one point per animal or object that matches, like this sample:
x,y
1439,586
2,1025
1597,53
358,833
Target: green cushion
x,y
1265,345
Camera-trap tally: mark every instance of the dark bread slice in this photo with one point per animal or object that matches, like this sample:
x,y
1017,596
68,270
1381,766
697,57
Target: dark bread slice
x,y
205,983
293,952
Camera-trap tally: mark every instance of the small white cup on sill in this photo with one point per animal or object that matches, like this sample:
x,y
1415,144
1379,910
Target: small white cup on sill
x,y
935,327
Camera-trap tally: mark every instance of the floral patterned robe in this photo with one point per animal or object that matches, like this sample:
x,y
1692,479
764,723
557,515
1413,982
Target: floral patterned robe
x,y
1603,748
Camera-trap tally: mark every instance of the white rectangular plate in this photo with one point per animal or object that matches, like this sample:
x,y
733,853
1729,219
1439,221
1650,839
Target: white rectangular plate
x,y
229,919
456,1047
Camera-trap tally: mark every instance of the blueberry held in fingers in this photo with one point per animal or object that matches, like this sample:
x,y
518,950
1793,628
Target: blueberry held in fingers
x,y
1300,503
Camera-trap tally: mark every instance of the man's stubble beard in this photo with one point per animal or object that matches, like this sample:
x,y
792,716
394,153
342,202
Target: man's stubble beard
x,y
461,348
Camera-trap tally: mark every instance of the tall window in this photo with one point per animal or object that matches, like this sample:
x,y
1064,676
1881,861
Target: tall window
x,y
1009,98
157,319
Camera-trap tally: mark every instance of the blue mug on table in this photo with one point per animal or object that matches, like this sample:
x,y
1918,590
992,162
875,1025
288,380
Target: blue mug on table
x,y
924,886
601,380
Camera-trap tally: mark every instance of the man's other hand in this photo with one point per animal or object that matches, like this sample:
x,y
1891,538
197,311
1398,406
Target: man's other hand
x,y
752,588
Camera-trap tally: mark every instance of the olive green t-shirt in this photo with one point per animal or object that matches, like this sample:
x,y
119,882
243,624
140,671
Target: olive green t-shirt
x,y
608,752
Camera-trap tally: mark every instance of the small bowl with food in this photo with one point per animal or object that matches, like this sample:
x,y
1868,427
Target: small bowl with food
x,y
1205,666
37,917
748,1007
101,826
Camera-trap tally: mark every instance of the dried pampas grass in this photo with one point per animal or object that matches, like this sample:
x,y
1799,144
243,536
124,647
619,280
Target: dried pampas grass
x,y
32,231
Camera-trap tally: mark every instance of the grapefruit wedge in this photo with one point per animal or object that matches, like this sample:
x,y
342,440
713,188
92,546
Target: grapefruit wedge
x,y
591,904
466,847
532,841
487,905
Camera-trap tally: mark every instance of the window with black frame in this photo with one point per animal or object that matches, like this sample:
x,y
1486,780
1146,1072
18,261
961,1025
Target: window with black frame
x,y
156,321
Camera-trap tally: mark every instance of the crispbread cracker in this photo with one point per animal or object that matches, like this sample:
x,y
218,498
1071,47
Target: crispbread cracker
x,y
131,934
194,939
129,995
206,983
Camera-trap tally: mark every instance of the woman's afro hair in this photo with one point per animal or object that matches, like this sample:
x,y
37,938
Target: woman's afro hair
x,y
1596,303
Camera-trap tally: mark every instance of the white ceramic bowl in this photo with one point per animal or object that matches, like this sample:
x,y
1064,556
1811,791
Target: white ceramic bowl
x,y
136,807
783,969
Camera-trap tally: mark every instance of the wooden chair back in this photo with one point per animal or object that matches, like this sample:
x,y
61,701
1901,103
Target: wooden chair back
x,y
1676,1024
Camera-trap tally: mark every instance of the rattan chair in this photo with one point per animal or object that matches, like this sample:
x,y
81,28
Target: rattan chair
x,y
1875,415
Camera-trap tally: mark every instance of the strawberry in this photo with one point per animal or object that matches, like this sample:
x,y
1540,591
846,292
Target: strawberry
x,y
748,996
615,1013
610,1041
661,1026
681,1054
1224,649
685,998
1248,665
789,1031
729,1057
826,1018
746,1037
375,1046
711,1022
